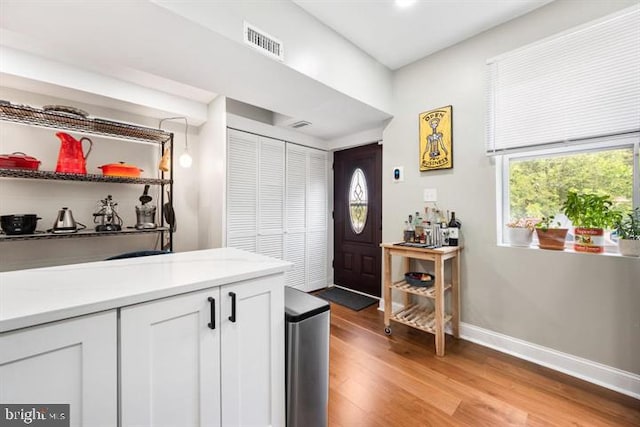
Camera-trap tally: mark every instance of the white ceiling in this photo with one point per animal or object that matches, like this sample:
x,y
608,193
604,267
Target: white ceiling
x,y
114,43
397,36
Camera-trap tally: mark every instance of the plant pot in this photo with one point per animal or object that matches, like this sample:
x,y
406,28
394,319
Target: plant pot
x,y
629,247
589,240
519,236
552,239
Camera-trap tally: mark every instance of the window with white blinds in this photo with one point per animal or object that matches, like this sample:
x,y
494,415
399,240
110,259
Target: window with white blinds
x,y
581,84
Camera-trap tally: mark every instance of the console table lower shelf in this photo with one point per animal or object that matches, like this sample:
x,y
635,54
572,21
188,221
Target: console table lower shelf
x,y
418,317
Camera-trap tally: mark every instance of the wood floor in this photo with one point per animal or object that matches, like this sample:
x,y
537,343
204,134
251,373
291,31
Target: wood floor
x,y
377,380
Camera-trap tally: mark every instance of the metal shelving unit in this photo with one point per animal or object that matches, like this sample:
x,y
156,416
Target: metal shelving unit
x,y
26,115
31,116
79,233
33,174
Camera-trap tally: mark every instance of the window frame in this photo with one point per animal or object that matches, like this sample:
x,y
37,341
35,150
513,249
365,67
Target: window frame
x,y
630,140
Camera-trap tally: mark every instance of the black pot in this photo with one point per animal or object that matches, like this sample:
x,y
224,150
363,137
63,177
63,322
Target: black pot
x,y
19,224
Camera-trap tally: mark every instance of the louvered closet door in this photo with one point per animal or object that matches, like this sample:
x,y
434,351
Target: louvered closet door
x,y
271,197
316,220
295,237
242,190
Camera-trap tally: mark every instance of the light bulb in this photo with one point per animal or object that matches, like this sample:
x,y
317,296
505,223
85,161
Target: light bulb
x,y
185,160
405,3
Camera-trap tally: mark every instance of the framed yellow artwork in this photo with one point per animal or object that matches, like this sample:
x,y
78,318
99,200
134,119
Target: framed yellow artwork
x,y
436,139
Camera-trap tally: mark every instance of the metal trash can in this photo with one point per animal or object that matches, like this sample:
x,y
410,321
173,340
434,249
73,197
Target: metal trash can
x,y
307,359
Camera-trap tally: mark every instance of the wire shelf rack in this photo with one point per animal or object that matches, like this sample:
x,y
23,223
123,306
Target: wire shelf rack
x,y
49,175
25,114
80,233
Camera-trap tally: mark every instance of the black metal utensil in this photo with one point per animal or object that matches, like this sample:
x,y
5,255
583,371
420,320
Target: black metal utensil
x,y
169,213
145,198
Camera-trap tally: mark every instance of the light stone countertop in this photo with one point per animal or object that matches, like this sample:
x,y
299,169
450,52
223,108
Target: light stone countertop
x,y
41,295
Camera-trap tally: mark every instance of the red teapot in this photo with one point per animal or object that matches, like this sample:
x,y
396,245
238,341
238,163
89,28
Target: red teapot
x,y
71,158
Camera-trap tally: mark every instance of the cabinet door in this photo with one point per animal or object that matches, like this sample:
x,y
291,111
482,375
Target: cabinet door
x,y
316,221
296,219
170,362
69,362
242,190
252,351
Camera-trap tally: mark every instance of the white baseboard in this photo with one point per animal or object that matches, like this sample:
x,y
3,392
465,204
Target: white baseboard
x,y
606,376
612,378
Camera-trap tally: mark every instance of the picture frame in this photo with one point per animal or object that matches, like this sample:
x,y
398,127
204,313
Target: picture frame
x,y
436,139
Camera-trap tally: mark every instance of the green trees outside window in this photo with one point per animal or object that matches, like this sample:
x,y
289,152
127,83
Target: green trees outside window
x,y
539,186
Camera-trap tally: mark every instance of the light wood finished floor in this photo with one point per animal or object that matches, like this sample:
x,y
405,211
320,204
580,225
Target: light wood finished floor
x,y
377,380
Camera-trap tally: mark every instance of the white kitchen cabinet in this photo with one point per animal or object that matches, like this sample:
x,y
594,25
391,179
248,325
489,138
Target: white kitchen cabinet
x,y
277,204
252,353
177,369
67,362
170,362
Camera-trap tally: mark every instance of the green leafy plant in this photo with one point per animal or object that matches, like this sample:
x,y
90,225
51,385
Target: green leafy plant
x,y
628,227
547,222
588,210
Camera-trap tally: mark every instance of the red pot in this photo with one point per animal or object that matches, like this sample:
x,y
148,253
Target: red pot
x,y
19,160
120,169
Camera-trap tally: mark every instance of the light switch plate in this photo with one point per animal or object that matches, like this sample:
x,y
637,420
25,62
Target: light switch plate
x,y
430,195
398,174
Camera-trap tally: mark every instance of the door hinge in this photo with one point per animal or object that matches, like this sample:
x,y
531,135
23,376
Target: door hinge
x,y
333,263
333,215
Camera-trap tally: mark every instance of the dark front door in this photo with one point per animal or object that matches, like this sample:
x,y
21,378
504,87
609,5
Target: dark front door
x,y
358,218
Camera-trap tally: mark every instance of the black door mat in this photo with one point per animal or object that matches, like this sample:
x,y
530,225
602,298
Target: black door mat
x,y
349,299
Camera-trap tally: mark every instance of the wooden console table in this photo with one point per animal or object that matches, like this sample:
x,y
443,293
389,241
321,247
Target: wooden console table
x,y
414,315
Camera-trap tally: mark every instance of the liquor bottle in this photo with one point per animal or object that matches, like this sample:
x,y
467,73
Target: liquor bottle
x,y
408,232
454,230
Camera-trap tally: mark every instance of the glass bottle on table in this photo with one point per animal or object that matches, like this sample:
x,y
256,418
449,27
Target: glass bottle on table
x,y
454,230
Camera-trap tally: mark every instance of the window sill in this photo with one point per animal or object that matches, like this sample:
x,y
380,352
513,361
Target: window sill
x,y
569,251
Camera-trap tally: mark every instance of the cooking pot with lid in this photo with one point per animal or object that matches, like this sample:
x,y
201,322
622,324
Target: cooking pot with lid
x,y
19,160
120,169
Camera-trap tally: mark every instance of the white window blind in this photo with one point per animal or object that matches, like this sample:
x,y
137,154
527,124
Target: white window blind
x,y
581,84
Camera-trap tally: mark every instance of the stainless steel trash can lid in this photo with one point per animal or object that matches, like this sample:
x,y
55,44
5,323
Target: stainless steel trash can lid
x,y
299,305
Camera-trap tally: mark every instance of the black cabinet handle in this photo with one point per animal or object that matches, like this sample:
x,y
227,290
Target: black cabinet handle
x,y
212,324
233,307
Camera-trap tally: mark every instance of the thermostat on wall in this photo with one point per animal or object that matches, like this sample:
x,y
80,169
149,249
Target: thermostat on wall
x,y
398,174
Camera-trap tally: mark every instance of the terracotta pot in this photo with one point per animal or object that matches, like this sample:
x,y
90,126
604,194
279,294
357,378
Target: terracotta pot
x,y
552,239
629,247
519,236
589,240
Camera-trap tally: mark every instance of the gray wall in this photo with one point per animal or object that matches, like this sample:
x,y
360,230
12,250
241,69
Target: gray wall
x,y
585,305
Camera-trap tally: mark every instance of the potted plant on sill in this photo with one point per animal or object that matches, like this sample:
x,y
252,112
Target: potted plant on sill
x,y
590,215
520,232
628,230
550,235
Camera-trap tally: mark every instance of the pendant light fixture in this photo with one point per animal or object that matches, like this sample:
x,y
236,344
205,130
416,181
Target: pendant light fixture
x,y
185,160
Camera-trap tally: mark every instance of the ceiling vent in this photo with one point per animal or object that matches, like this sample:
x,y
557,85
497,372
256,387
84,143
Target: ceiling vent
x,y
299,124
263,42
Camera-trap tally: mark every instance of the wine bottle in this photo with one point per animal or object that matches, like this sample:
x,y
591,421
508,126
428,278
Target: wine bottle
x,y
454,230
